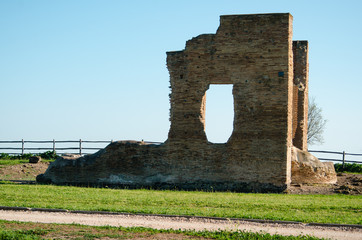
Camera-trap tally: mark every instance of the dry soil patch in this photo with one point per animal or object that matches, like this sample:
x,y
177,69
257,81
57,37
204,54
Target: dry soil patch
x,y
347,183
23,171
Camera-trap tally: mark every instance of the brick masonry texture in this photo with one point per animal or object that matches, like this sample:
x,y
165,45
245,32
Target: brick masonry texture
x,y
254,53
300,113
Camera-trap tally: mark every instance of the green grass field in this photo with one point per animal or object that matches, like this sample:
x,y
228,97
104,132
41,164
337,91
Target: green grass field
x,y
9,162
344,209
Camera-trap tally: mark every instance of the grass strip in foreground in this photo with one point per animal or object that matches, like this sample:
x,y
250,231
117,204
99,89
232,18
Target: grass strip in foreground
x,y
19,230
340,209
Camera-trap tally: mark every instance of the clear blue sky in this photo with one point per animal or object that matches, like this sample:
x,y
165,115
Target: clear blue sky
x,y
96,70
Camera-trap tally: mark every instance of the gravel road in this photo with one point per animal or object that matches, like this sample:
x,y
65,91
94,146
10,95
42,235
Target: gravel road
x,y
161,222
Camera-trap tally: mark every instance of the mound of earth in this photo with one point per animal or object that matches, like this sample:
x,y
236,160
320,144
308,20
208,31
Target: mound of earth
x,y
23,172
346,183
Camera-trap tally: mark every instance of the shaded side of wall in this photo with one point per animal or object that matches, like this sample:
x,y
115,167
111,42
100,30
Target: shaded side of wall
x,y
300,115
136,165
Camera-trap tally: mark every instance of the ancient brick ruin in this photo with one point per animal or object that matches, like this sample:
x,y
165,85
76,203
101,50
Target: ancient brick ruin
x,y
269,74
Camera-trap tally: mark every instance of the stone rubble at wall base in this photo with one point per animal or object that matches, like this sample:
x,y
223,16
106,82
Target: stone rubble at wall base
x,y
132,165
306,168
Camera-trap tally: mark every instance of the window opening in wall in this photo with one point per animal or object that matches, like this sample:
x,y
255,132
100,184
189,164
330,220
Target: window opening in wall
x,y
219,116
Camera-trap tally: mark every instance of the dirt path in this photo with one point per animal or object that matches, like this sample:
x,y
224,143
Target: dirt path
x,y
160,222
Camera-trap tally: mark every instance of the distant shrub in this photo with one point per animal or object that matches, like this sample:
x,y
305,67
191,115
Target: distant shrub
x,y
5,156
45,155
26,155
348,167
48,155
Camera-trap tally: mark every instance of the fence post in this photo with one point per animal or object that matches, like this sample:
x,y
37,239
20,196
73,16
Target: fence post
x,y
22,146
80,146
53,148
343,159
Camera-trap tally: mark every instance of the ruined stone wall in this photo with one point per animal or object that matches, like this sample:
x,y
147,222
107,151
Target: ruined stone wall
x,y
301,69
253,53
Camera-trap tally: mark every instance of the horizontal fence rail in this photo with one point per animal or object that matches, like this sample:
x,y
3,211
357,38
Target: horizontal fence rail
x,y
82,146
341,159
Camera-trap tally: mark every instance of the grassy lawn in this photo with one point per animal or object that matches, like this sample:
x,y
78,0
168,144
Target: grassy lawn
x,y
344,209
8,162
17,230
12,162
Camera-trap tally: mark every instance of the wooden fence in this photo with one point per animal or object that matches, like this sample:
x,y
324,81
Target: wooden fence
x,y
341,154
22,147
82,147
